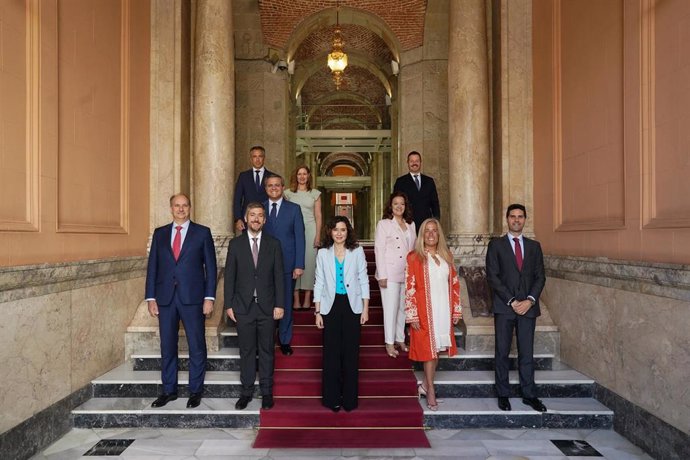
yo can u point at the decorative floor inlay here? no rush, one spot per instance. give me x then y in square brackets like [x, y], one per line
[112, 447]
[576, 448]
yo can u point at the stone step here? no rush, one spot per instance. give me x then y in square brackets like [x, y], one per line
[453, 413]
[564, 383]
[124, 381]
[137, 412]
[228, 359]
[457, 413]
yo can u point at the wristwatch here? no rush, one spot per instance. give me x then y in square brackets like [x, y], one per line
[317, 313]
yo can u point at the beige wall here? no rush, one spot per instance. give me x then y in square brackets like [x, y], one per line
[611, 142]
[611, 117]
[74, 143]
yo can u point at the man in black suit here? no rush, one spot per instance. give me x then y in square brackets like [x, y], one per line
[515, 271]
[251, 186]
[420, 190]
[181, 285]
[254, 300]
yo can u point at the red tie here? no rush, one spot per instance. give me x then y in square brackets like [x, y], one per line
[518, 253]
[177, 242]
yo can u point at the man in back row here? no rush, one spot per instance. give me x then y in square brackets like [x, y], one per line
[420, 190]
[250, 186]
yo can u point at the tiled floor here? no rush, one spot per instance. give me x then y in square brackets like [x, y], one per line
[216, 444]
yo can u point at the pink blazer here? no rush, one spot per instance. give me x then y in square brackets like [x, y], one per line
[391, 245]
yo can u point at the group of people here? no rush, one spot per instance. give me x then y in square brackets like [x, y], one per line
[279, 253]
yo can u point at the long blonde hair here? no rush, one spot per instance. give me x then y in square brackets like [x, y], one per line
[442, 247]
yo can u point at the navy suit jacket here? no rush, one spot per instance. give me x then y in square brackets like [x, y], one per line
[424, 202]
[507, 281]
[245, 192]
[193, 274]
[288, 228]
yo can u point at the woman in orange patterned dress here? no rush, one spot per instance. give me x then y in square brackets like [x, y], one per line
[432, 303]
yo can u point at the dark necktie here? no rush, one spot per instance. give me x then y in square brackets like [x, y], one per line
[518, 253]
[416, 181]
[274, 211]
[257, 181]
[255, 252]
[177, 242]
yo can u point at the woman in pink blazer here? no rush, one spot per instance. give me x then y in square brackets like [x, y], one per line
[395, 237]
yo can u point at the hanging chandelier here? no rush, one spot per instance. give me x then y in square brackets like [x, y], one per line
[337, 59]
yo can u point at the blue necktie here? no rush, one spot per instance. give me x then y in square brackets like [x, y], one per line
[416, 180]
[274, 211]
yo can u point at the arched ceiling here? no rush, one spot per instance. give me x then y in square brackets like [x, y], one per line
[374, 33]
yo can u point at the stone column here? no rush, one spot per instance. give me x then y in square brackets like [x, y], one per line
[468, 118]
[214, 116]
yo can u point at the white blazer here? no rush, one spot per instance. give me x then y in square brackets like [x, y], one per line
[355, 277]
[391, 246]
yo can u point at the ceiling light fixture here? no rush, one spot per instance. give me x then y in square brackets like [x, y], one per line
[337, 59]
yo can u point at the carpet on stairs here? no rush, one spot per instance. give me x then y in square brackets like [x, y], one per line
[388, 416]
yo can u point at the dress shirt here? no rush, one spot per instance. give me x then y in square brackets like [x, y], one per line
[419, 176]
[278, 203]
[183, 233]
[262, 171]
[510, 237]
[251, 240]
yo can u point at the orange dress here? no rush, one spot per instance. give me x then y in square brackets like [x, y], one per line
[418, 308]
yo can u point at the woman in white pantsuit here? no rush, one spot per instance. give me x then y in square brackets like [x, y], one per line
[394, 239]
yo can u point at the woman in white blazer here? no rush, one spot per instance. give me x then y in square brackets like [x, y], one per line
[394, 239]
[341, 298]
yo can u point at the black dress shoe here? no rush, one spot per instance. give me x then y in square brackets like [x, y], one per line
[286, 349]
[194, 400]
[267, 402]
[164, 399]
[242, 402]
[504, 403]
[335, 408]
[535, 404]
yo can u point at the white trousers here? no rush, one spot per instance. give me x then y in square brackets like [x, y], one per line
[393, 300]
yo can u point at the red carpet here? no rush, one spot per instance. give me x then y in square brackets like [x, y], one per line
[388, 415]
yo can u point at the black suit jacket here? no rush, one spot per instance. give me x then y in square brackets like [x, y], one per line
[424, 202]
[242, 279]
[245, 192]
[507, 282]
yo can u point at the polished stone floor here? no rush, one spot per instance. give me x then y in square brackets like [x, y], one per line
[216, 444]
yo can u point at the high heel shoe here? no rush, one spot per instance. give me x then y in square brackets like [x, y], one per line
[392, 352]
[421, 391]
[402, 346]
[433, 407]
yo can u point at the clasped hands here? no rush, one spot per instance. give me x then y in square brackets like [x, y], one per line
[521, 306]
[277, 313]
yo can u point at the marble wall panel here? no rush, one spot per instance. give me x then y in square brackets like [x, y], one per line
[634, 344]
[99, 317]
[35, 353]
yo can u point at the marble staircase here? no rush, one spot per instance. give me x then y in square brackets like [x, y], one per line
[122, 397]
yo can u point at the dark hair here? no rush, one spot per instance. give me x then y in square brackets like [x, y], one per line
[254, 205]
[293, 178]
[272, 176]
[181, 194]
[388, 210]
[258, 147]
[414, 152]
[350, 241]
[516, 206]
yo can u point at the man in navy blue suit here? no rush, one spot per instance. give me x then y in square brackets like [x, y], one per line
[285, 223]
[515, 272]
[250, 187]
[420, 190]
[181, 285]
